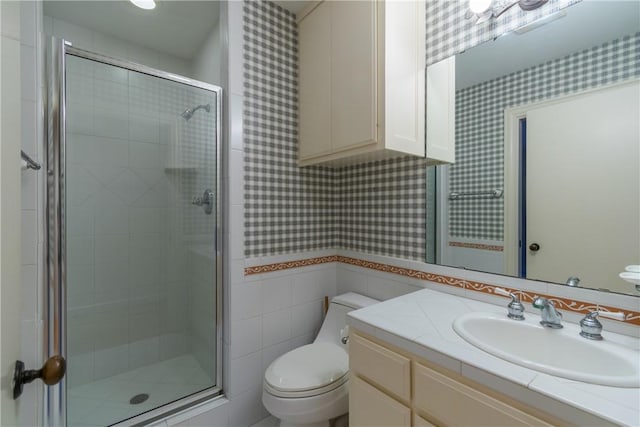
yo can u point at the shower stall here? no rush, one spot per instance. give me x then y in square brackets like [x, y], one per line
[133, 280]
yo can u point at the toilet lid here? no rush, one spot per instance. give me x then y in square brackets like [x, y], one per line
[308, 367]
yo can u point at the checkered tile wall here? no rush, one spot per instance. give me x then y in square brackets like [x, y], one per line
[381, 207]
[479, 124]
[287, 209]
[291, 209]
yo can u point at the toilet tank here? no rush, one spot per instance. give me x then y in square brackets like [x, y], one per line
[336, 318]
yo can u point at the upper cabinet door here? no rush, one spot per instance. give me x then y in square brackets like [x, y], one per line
[441, 104]
[361, 81]
[315, 82]
[353, 74]
[404, 64]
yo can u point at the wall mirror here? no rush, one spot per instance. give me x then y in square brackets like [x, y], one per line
[546, 182]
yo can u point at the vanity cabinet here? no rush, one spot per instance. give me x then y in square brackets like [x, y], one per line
[361, 81]
[370, 407]
[391, 387]
[441, 397]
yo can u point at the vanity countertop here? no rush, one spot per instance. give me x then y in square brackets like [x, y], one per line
[421, 323]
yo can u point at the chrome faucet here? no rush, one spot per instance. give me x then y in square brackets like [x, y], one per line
[551, 318]
[573, 281]
[515, 307]
[591, 328]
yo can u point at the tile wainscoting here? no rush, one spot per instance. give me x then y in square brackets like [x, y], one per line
[385, 277]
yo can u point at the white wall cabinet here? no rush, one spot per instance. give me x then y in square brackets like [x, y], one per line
[392, 387]
[361, 81]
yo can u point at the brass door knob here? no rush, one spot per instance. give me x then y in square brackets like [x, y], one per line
[51, 373]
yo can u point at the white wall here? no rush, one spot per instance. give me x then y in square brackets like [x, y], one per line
[21, 227]
[32, 188]
[88, 39]
[207, 64]
[10, 135]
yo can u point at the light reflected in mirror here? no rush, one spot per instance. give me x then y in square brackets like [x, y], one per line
[546, 183]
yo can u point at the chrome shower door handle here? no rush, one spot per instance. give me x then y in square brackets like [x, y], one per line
[206, 201]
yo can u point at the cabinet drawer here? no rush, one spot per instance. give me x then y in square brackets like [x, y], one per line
[369, 407]
[385, 368]
[450, 402]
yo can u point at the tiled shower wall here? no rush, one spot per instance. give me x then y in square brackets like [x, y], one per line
[290, 209]
[133, 166]
[138, 284]
[109, 225]
[481, 107]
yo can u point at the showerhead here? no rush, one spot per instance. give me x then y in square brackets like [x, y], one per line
[186, 114]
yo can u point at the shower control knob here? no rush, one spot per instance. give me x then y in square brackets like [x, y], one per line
[51, 373]
[206, 201]
[534, 247]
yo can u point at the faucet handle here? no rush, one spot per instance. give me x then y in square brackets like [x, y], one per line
[616, 315]
[591, 326]
[541, 302]
[515, 307]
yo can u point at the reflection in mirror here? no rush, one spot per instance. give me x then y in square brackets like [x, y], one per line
[546, 183]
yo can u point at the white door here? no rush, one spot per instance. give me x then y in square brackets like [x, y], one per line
[583, 187]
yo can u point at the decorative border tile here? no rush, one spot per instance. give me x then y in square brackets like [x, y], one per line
[270, 268]
[631, 317]
[496, 248]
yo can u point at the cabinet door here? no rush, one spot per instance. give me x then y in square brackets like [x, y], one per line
[314, 43]
[441, 99]
[453, 403]
[369, 407]
[404, 64]
[383, 367]
[353, 74]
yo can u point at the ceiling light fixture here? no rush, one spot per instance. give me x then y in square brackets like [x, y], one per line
[144, 4]
[479, 6]
[483, 10]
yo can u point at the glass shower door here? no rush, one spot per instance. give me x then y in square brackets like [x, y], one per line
[141, 212]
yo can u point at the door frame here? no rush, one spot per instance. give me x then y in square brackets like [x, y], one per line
[55, 284]
[512, 117]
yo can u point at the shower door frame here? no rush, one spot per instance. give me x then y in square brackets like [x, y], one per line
[55, 250]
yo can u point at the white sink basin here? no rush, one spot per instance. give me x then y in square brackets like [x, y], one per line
[560, 352]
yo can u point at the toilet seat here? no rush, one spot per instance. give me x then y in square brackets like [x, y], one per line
[307, 371]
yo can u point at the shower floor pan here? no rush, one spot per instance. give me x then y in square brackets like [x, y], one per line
[107, 401]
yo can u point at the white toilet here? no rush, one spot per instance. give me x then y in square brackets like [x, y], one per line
[308, 386]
